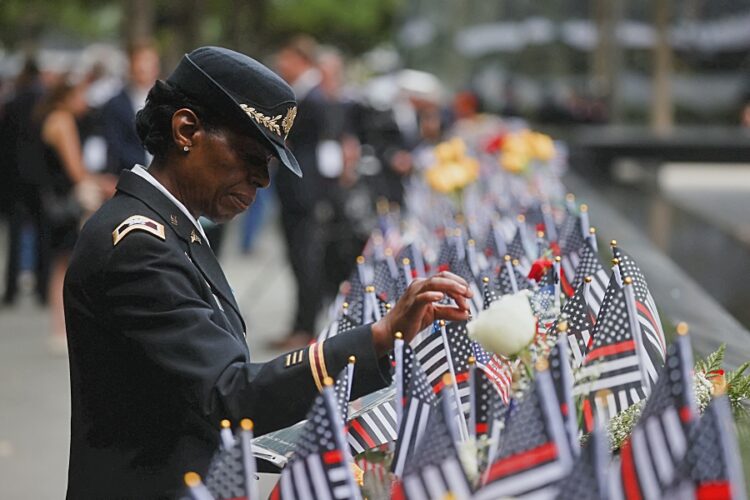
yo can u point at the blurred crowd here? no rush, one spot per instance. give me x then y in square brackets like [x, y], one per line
[68, 132]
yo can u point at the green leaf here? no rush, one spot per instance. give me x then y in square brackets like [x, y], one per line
[713, 361]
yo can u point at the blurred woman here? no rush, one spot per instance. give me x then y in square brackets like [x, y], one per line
[70, 193]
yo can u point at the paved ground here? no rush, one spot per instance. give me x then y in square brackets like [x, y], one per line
[34, 390]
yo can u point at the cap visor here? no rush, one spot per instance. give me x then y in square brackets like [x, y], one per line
[288, 159]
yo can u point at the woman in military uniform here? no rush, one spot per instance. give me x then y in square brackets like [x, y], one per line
[157, 346]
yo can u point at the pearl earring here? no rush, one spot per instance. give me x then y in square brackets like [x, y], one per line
[186, 149]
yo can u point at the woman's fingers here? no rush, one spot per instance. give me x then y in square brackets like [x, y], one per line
[426, 297]
[455, 289]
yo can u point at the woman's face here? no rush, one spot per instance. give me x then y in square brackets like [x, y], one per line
[224, 174]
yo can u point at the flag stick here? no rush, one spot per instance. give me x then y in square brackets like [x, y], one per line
[472, 398]
[248, 459]
[616, 271]
[398, 353]
[350, 377]
[635, 328]
[227, 438]
[585, 224]
[511, 274]
[450, 417]
[406, 263]
[462, 421]
[197, 489]
[361, 269]
[592, 239]
[549, 222]
[499, 240]
[558, 283]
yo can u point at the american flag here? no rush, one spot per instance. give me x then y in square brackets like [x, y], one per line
[571, 240]
[589, 265]
[498, 370]
[343, 389]
[712, 467]
[507, 274]
[419, 402]
[416, 258]
[615, 360]
[435, 470]
[373, 428]
[562, 380]
[542, 303]
[384, 282]
[517, 247]
[340, 325]
[438, 351]
[648, 316]
[488, 292]
[580, 326]
[231, 474]
[534, 452]
[487, 406]
[588, 480]
[321, 466]
[356, 297]
[495, 246]
[659, 441]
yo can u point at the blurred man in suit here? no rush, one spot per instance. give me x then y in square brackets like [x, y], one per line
[124, 149]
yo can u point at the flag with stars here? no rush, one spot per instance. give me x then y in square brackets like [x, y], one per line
[615, 361]
[487, 405]
[231, 474]
[571, 240]
[498, 370]
[489, 295]
[355, 297]
[562, 380]
[648, 315]
[435, 470]
[321, 466]
[534, 453]
[340, 325]
[437, 352]
[589, 265]
[384, 282]
[419, 402]
[712, 467]
[506, 275]
[658, 442]
[517, 248]
[580, 326]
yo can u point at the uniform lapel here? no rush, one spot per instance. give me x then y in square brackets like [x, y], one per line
[198, 250]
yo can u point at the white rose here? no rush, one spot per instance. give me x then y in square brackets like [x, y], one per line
[506, 327]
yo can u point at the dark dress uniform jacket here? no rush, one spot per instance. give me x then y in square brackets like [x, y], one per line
[158, 355]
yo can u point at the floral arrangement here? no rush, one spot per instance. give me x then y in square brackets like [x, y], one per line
[520, 148]
[454, 170]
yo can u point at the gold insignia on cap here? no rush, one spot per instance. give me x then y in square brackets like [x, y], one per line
[288, 120]
[137, 223]
[271, 124]
[194, 238]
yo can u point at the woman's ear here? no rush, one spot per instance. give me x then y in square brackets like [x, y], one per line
[186, 129]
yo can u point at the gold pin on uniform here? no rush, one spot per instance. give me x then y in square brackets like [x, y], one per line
[194, 238]
[173, 220]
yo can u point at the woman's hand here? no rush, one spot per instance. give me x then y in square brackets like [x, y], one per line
[418, 307]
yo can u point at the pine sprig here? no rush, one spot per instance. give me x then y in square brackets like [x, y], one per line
[713, 361]
[738, 390]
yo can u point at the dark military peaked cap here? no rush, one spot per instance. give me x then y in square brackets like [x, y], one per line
[242, 88]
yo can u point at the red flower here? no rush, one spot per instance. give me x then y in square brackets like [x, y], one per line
[539, 269]
[495, 144]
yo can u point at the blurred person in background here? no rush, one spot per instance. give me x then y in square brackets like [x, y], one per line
[23, 172]
[296, 63]
[124, 149]
[70, 193]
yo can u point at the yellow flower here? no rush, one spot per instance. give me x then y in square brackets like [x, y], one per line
[514, 162]
[542, 146]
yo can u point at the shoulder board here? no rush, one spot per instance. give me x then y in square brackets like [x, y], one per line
[137, 223]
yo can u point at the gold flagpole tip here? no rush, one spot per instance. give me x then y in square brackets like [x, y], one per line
[225, 424]
[602, 396]
[515, 262]
[369, 289]
[628, 280]
[521, 218]
[246, 424]
[592, 230]
[345, 305]
[562, 326]
[507, 257]
[471, 360]
[441, 322]
[485, 280]
[541, 365]
[457, 232]
[327, 381]
[588, 279]
[682, 328]
[558, 258]
[540, 234]
[192, 479]
[613, 243]
[388, 252]
[360, 260]
[471, 243]
[570, 197]
[398, 335]
[387, 306]
[584, 207]
[447, 380]
[352, 359]
[406, 261]
[615, 261]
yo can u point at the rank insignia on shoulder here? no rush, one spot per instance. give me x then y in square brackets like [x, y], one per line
[137, 223]
[294, 358]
